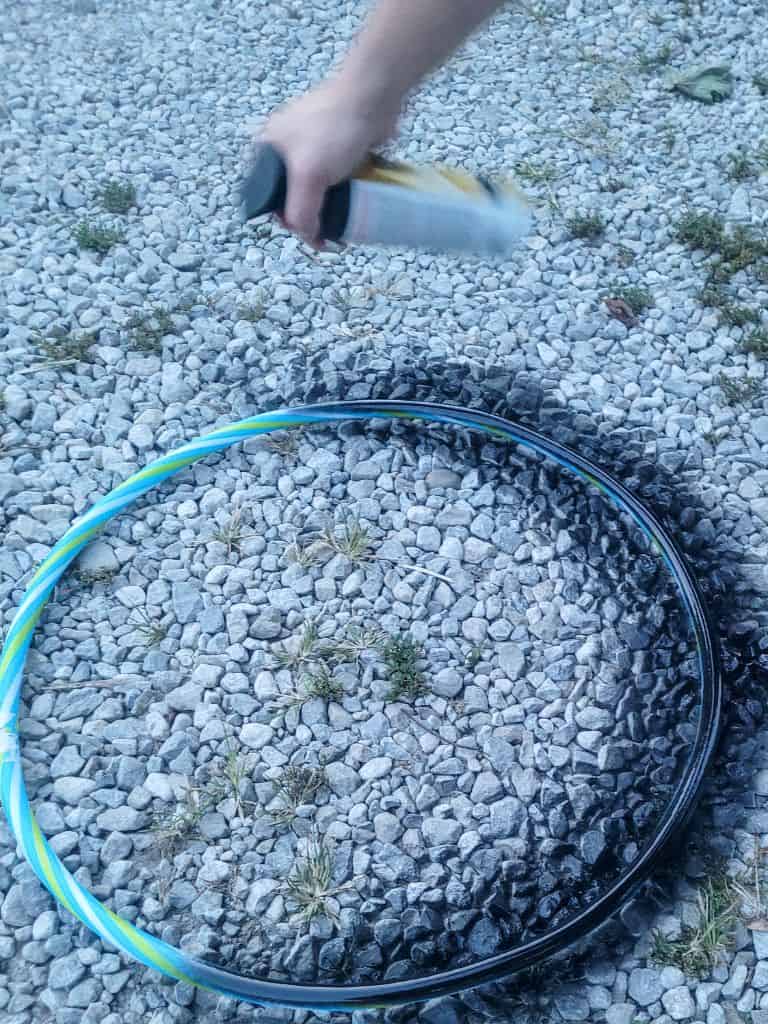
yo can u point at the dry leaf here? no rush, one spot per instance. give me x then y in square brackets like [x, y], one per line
[619, 309]
[760, 924]
[708, 83]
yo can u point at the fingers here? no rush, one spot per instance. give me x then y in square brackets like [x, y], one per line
[304, 201]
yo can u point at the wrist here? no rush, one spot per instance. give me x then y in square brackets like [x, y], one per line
[367, 91]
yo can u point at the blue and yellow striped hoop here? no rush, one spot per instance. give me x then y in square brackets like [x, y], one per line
[154, 952]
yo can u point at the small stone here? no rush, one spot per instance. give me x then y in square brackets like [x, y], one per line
[67, 762]
[187, 602]
[65, 972]
[376, 768]
[620, 1013]
[679, 1003]
[185, 698]
[592, 846]
[387, 827]
[255, 735]
[131, 597]
[511, 661]
[185, 258]
[121, 819]
[645, 986]
[440, 831]
[342, 779]
[733, 988]
[260, 895]
[484, 939]
[72, 198]
[507, 816]
[447, 683]
[572, 1006]
[486, 788]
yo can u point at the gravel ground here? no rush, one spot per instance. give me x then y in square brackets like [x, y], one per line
[557, 703]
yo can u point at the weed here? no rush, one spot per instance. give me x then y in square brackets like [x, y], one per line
[739, 389]
[148, 329]
[614, 185]
[354, 644]
[588, 226]
[760, 82]
[118, 196]
[252, 312]
[284, 442]
[654, 60]
[297, 786]
[90, 576]
[741, 167]
[301, 554]
[230, 784]
[97, 237]
[353, 542]
[474, 657]
[71, 348]
[322, 683]
[401, 657]
[170, 829]
[302, 652]
[700, 946]
[701, 231]
[536, 174]
[738, 316]
[624, 256]
[232, 534]
[309, 885]
[151, 632]
[638, 299]
[610, 95]
[757, 343]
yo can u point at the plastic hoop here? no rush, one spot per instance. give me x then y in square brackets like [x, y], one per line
[152, 951]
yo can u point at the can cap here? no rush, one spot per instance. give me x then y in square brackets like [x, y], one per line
[264, 186]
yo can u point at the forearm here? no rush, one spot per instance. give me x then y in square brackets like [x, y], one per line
[403, 40]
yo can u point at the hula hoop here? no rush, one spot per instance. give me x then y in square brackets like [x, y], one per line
[153, 952]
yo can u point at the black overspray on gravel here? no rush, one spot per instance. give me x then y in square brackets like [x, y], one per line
[714, 557]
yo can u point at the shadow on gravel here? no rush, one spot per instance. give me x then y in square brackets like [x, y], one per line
[715, 559]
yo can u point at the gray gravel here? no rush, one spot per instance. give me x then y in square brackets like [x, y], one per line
[456, 819]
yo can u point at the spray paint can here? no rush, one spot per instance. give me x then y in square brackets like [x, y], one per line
[389, 203]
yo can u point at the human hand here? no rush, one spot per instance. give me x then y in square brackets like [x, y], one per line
[323, 137]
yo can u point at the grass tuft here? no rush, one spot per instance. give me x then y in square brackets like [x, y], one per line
[638, 299]
[757, 343]
[357, 641]
[309, 885]
[589, 226]
[322, 683]
[70, 348]
[353, 541]
[701, 231]
[741, 167]
[150, 631]
[296, 786]
[401, 657]
[739, 389]
[97, 237]
[536, 174]
[700, 946]
[118, 196]
[302, 652]
[90, 576]
[147, 329]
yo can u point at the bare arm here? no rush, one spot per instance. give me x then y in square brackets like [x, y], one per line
[326, 134]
